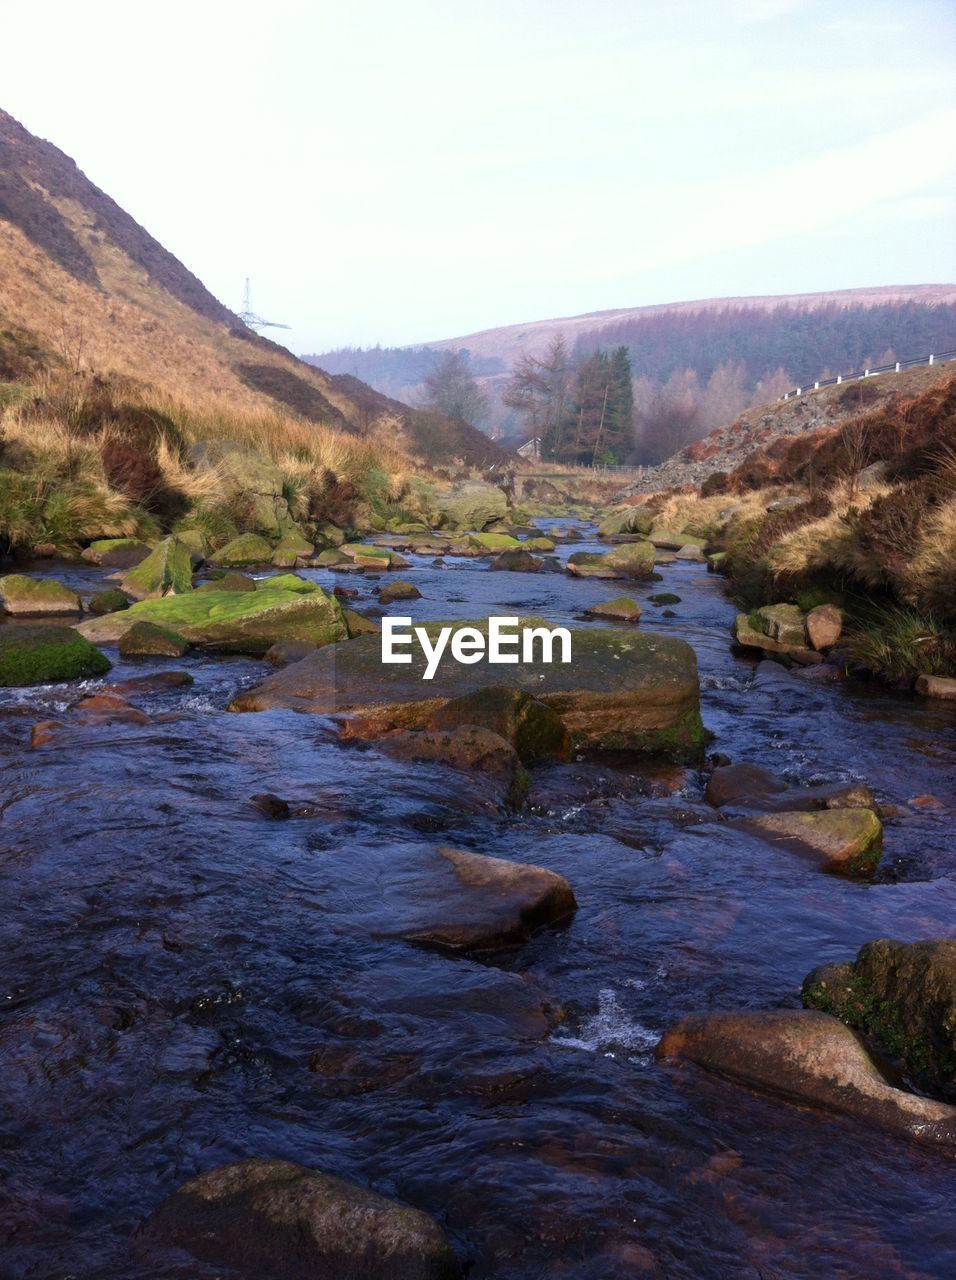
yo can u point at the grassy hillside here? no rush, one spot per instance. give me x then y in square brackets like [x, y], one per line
[97, 295]
[121, 376]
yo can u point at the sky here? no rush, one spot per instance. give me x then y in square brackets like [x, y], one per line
[410, 170]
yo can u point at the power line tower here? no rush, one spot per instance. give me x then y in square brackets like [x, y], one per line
[249, 317]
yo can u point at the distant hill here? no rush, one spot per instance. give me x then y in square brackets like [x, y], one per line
[82, 282]
[507, 342]
[696, 364]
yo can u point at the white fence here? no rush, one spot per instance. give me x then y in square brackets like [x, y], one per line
[936, 358]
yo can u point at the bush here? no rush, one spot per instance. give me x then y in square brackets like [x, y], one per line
[895, 642]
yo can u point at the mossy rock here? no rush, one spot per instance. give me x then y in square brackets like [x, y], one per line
[848, 841]
[167, 570]
[281, 608]
[293, 546]
[664, 597]
[904, 996]
[229, 581]
[621, 609]
[147, 640]
[494, 542]
[590, 564]
[716, 562]
[196, 541]
[672, 540]
[47, 654]
[329, 535]
[359, 625]
[111, 601]
[472, 505]
[782, 622]
[632, 559]
[116, 553]
[399, 591]
[622, 691]
[247, 549]
[330, 559]
[24, 595]
[364, 556]
[625, 520]
[538, 544]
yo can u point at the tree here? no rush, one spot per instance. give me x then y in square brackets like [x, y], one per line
[451, 389]
[538, 389]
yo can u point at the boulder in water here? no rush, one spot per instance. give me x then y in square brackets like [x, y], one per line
[282, 608]
[620, 609]
[46, 654]
[622, 691]
[809, 1058]
[489, 904]
[845, 840]
[167, 570]
[116, 553]
[37, 596]
[904, 996]
[632, 559]
[111, 601]
[399, 590]
[740, 783]
[147, 640]
[272, 1220]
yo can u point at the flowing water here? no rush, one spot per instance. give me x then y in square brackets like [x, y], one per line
[185, 981]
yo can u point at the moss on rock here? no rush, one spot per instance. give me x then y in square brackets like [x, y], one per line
[167, 570]
[24, 595]
[47, 654]
[904, 996]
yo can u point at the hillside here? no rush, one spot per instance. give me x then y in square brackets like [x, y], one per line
[766, 428]
[508, 342]
[83, 286]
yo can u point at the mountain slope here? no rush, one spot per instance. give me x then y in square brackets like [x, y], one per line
[507, 342]
[83, 285]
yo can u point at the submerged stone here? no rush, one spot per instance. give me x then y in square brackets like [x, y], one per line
[273, 1220]
[488, 904]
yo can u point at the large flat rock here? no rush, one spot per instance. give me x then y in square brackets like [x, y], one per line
[621, 690]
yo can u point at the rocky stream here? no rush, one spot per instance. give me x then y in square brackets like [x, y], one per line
[218, 942]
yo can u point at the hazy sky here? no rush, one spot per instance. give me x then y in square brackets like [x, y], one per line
[403, 171]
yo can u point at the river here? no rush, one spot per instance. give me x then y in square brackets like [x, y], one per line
[185, 981]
